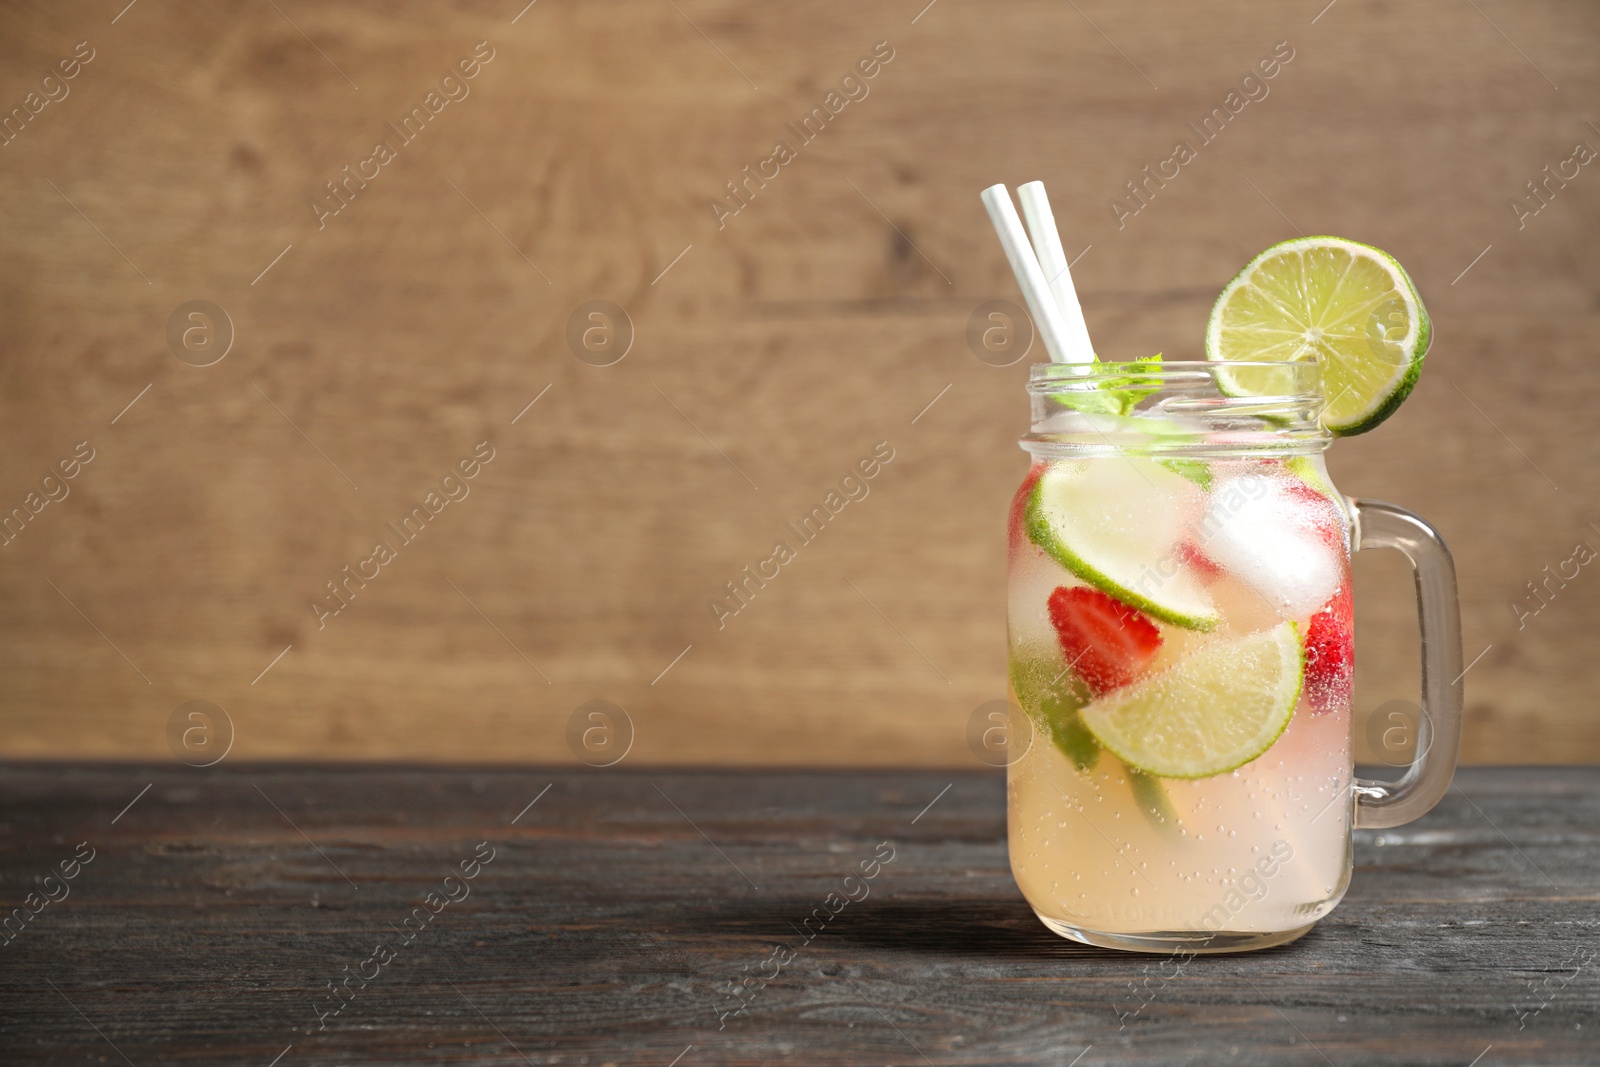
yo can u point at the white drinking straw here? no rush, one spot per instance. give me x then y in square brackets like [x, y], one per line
[1035, 288]
[1053, 262]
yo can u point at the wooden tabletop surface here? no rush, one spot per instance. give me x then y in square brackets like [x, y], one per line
[612, 917]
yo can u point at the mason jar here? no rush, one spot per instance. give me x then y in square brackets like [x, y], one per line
[1181, 647]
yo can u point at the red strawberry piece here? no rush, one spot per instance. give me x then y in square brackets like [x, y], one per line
[1204, 567]
[1019, 506]
[1317, 513]
[1107, 642]
[1330, 653]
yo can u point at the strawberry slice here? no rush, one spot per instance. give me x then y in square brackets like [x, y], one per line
[1108, 642]
[1205, 568]
[1019, 504]
[1331, 653]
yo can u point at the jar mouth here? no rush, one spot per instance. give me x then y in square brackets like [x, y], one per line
[1199, 407]
[1299, 379]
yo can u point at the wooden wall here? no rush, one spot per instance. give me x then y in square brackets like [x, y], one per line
[771, 350]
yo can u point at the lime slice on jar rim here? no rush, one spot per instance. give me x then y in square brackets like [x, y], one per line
[1349, 306]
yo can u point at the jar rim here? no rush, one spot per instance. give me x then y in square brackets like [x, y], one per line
[1309, 361]
[1199, 407]
[1289, 380]
[1176, 368]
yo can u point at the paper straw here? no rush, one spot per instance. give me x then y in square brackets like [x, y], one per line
[1053, 262]
[1035, 289]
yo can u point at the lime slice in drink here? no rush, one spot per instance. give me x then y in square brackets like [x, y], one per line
[1048, 691]
[1308, 471]
[1216, 709]
[1051, 695]
[1152, 798]
[1115, 523]
[1348, 305]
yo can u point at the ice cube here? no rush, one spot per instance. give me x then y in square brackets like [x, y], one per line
[1254, 529]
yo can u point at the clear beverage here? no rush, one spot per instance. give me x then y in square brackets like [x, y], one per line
[1180, 640]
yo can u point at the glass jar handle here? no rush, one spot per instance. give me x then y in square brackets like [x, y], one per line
[1380, 804]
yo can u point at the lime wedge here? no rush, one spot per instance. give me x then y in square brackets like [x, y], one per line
[1348, 305]
[1052, 695]
[1311, 471]
[1152, 798]
[1216, 709]
[1115, 523]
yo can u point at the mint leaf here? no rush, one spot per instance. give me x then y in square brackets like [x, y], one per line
[1115, 396]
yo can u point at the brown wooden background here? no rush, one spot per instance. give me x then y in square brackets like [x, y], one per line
[774, 353]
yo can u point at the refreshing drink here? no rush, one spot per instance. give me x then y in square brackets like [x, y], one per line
[1181, 641]
[1180, 606]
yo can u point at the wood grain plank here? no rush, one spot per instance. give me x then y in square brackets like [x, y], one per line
[613, 918]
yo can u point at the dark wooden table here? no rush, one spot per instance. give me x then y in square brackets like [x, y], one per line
[610, 922]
